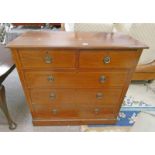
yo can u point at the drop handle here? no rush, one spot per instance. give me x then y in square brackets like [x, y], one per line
[50, 78]
[106, 59]
[102, 79]
[54, 111]
[52, 96]
[48, 59]
[96, 110]
[99, 95]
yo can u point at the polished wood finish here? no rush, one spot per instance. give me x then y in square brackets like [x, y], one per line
[76, 40]
[146, 67]
[71, 96]
[73, 111]
[6, 67]
[55, 58]
[145, 72]
[143, 76]
[83, 80]
[73, 121]
[96, 59]
[74, 79]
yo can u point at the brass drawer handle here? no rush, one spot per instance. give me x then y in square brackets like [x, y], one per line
[54, 111]
[102, 79]
[107, 60]
[48, 59]
[96, 110]
[52, 96]
[99, 95]
[50, 78]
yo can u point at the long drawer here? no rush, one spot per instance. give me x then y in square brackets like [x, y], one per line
[75, 96]
[85, 112]
[49, 79]
[108, 59]
[47, 58]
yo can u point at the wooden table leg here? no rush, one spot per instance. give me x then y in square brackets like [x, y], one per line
[3, 106]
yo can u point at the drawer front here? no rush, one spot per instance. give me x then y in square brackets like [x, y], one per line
[53, 96]
[75, 96]
[38, 79]
[99, 97]
[108, 59]
[34, 58]
[85, 112]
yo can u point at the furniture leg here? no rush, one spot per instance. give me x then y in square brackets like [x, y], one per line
[150, 81]
[3, 106]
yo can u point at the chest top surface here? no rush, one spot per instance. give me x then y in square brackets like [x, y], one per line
[76, 40]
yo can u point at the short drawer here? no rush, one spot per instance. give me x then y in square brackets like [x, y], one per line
[108, 59]
[99, 97]
[84, 112]
[50, 79]
[75, 96]
[37, 58]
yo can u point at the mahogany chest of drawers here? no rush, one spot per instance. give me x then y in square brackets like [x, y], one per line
[75, 78]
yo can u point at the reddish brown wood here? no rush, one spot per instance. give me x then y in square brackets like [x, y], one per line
[76, 75]
[144, 76]
[83, 79]
[48, 122]
[149, 67]
[76, 40]
[145, 72]
[36, 58]
[71, 96]
[118, 59]
[73, 111]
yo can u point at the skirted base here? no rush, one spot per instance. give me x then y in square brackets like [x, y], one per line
[41, 122]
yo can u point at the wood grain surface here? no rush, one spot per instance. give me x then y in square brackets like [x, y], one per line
[75, 78]
[76, 40]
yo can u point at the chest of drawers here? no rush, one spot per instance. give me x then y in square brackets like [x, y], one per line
[75, 78]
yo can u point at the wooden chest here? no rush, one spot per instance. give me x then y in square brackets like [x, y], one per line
[75, 78]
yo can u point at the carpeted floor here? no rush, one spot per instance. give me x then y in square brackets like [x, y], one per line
[21, 115]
